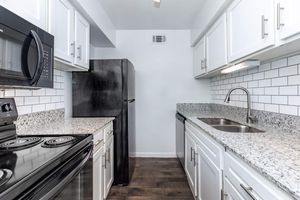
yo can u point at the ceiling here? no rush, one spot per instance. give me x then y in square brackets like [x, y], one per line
[141, 14]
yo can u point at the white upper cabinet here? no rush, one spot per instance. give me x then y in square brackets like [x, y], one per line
[34, 11]
[199, 58]
[288, 15]
[250, 27]
[82, 41]
[72, 35]
[216, 45]
[62, 27]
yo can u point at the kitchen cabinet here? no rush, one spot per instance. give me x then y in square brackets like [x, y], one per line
[34, 11]
[72, 35]
[108, 165]
[191, 162]
[250, 25]
[210, 177]
[98, 173]
[199, 58]
[216, 45]
[243, 182]
[288, 15]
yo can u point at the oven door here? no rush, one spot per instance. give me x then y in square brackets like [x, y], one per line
[21, 57]
[72, 180]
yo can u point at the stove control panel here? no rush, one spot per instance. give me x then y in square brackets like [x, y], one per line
[8, 111]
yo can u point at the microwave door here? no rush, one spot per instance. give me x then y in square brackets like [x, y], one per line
[33, 58]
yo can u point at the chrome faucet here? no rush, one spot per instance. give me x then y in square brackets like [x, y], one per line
[250, 118]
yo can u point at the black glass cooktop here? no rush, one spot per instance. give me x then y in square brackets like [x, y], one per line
[30, 162]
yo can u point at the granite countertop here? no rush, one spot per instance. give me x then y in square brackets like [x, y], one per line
[69, 126]
[274, 153]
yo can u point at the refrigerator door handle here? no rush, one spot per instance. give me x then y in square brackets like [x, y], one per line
[130, 100]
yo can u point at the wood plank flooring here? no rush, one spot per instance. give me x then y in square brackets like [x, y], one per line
[155, 179]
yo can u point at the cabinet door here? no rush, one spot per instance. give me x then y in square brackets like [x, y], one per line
[210, 178]
[82, 41]
[191, 162]
[288, 16]
[230, 193]
[62, 27]
[250, 27]
[216, 45]
[199, 58]
[34, 11]
[98, 187]
[108, 166]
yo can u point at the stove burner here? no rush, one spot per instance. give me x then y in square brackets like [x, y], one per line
[60, 141]
[20, 143]
[5, 175]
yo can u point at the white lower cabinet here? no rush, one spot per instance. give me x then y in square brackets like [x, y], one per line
[191, 162]
[98, 174]
[210, 177]
[215, 174]
[108, 165]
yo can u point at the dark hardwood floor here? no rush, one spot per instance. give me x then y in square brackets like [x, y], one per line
[155, 179]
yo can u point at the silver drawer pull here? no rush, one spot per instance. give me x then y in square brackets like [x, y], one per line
[248, 190]
[279, 9]
[98, 142]
[263, 27]
[192, 153]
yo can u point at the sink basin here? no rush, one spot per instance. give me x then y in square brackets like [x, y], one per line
[229, 126]
[238, 129]
[218, 121]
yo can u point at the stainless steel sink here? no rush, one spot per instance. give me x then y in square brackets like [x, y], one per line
[218, 121]
[229, 126]
[238, 129]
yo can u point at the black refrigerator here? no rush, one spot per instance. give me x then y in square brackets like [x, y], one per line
[108, 90]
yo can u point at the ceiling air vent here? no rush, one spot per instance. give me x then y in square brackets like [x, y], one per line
[159, 38]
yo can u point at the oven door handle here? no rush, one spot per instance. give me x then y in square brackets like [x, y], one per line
[40, 62]
[54, 191]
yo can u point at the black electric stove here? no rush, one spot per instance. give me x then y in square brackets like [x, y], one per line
[32, 167]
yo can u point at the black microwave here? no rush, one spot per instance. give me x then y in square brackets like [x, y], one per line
[26, 53]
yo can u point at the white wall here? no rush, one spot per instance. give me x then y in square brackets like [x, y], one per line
[163, 78]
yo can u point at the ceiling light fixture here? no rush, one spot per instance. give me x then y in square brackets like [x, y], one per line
[156, 3]
[243, 65]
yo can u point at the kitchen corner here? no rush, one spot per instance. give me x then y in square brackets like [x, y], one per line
[273, 153]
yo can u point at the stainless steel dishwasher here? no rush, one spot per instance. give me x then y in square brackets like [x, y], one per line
[180, 135]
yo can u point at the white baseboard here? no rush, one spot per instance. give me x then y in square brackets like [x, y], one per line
[153, 155]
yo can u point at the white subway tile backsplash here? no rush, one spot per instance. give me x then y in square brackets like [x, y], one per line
[272, 73]
[279, 99]
[294, 60]
[294, 100]
[288, 90]
[272, 91]
[31, 100]
[274, 86]
[279, 63]
[37, 100]
[279, 81]
[294, 80]
[272, 108]
[288, 71]
[289, 110]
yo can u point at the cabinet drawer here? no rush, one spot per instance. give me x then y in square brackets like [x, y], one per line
[212, 149]
[108, 131]
[98, 139]
[248, 182]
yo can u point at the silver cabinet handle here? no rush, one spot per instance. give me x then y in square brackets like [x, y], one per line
[98, 142]
[79, 52]
[105, 160]
[263, 27]
[248, 190]
[192, 154]
[73, 49]
[202, 64]
[108, 160]
[279, 9]
[195, 155]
